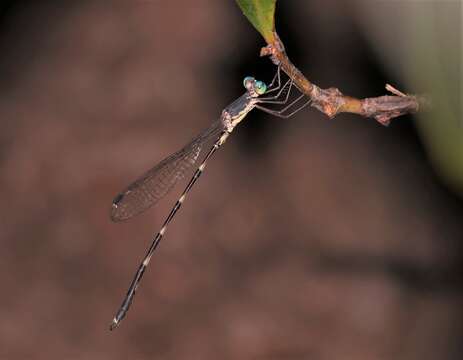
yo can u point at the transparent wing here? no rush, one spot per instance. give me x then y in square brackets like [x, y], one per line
[158, 181]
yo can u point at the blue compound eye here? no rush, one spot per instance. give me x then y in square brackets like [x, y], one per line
[247, 81]
[260, 87]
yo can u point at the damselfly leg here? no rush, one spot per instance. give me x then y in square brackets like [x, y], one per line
[274, 100]
[280, 113]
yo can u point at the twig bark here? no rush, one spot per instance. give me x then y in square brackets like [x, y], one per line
[331, 101]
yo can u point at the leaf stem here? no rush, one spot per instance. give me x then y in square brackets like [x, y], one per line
[332, 101]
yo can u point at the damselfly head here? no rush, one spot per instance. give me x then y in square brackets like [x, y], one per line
[260, 87]
[255, 87]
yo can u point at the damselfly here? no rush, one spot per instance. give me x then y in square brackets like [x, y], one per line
[157, 182]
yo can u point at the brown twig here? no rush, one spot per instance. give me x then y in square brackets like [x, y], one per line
[331, 101]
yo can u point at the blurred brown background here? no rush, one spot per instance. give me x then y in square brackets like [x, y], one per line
[305, 239]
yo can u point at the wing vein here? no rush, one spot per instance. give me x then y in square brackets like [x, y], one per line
[153, 185]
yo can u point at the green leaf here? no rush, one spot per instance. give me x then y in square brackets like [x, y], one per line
[261, 14]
